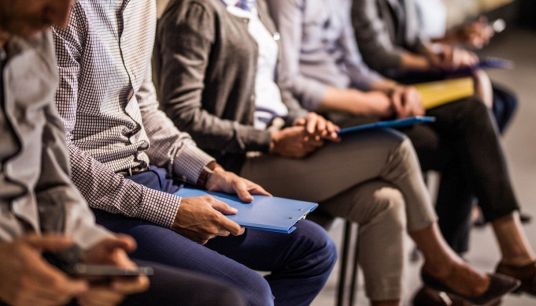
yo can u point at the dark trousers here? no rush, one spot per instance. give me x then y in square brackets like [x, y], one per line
[463, 144]
[299, 263]
[504, 106]
[175, 287]
[456, 224]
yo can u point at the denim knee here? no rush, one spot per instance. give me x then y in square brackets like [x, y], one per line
[229, 296]
[257, 292]
[319, 244]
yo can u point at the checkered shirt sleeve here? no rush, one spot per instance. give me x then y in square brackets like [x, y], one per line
[106, 99]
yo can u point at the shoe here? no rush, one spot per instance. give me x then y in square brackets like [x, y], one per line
[499, 286]
[526, 274]
[430, 297]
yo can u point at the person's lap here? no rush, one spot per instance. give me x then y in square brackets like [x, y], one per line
[231, 259]
[234, 259]
[332, 169]
[177, 287]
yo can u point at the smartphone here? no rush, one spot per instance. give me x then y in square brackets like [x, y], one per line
[90, 271]
[69, 262]
[104, 274]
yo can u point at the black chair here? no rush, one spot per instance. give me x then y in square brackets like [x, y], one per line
[325, 220]
[350, 296]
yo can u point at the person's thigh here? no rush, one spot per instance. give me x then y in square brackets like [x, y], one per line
[177, 287]
[299, 263]
[164, 246]
[270, 251]
[328, 171]
[434, 153]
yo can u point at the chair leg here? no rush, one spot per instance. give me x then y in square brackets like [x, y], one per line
[341, 283]
[355, 266]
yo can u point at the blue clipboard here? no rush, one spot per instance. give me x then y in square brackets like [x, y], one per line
[386, 124]
[264, 213]
[485, 63]
[494, 63]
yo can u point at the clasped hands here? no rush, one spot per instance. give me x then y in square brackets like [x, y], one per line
[304, 137]
[203, 218]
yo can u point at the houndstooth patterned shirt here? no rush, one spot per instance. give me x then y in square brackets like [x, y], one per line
[110, 110]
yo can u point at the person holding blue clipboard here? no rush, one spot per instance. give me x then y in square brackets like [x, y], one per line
[218, 72]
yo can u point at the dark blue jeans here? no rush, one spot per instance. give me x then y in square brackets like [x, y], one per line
[173, 287]
[299, 263]
[176, 287]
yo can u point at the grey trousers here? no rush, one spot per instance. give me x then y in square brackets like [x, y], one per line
[371, 178]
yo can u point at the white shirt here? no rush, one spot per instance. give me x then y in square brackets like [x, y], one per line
[268, 101]
[433, 15]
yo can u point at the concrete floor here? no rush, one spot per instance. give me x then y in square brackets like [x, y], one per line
[520, 146]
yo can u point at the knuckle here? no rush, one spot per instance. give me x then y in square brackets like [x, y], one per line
[213, 230]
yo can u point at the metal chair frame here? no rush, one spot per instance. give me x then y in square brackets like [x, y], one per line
[342, 295]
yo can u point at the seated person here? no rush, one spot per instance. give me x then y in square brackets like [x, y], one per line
[40, 209]
[392, 39]
[219, 80]
[473, 34]
[390, 32]
[325, 71]
[126, 156]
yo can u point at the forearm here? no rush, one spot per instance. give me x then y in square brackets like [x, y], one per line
[213, 133]
[384, 85]
[349, 101]
[105, 190]
[412, 61]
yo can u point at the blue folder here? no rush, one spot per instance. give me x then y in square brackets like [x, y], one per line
[264, 213]
[386, 124]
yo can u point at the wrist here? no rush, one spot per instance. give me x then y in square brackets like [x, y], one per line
[207, 172]
[275, 137]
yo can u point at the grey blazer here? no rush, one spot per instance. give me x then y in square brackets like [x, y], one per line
[36, 193]
[384, 29]
[206, 64]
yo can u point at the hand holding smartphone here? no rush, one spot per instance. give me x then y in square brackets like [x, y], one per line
[68, 261]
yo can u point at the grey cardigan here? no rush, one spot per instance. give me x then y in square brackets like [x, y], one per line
[206, 64]
[383, 33]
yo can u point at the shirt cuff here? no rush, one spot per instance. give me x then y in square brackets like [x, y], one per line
[159, 207]
[189, 163]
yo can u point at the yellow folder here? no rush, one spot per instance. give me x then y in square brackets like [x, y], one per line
[437, 93]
